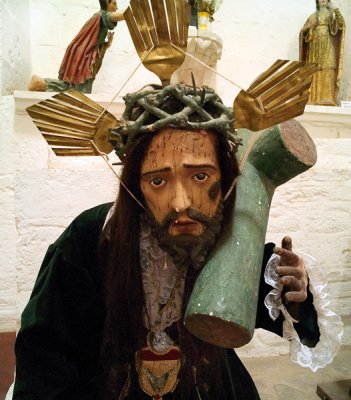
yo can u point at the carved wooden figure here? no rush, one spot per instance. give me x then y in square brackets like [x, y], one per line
[322, 42]
[219, 311]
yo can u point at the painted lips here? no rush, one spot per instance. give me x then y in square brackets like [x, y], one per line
[184, 226]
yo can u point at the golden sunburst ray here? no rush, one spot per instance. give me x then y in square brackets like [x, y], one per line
[154, 26]
[73, 125]
[277, 95]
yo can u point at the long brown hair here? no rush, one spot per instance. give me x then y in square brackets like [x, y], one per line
[124, 332]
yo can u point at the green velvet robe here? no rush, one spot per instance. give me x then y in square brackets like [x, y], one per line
[57, 347]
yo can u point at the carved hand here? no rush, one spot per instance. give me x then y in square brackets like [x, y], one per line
[293, 276]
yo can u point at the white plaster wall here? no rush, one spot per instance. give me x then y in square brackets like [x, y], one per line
[8, 231]
[15, 60]
[40, 193]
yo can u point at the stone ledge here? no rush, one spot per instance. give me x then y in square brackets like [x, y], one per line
[327, 122]
[320, 121]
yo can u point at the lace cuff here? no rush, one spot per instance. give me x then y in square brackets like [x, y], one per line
[329, 323]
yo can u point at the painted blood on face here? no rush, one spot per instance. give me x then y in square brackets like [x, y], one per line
[214, 191]
[180, 171]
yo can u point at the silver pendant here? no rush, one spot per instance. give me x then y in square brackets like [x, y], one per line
[160, 342]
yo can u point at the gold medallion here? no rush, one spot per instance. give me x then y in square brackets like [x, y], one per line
[158, 372]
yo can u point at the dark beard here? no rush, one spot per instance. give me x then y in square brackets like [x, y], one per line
[187, 250]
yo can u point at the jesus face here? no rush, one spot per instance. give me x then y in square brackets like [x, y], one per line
[181, 172]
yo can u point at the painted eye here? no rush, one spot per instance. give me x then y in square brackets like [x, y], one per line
[157, 182]
[201, 176]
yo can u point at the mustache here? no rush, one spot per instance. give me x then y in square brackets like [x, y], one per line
[187, 250]
[195, 215]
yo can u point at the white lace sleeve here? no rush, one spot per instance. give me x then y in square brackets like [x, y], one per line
[329, 323]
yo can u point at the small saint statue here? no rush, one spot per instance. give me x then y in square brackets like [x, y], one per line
[84, 55]
[321, 42]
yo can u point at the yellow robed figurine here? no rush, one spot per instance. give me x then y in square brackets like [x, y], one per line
[321, 42]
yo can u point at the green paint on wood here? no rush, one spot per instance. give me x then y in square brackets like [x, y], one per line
[222, 308]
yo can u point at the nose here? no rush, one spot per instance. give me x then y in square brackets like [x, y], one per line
[181, 200]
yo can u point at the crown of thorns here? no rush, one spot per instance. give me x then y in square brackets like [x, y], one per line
[178, 106]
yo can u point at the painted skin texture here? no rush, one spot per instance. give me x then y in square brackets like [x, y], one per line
[180, 171]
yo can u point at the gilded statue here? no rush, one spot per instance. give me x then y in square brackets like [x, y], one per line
[321, 42]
